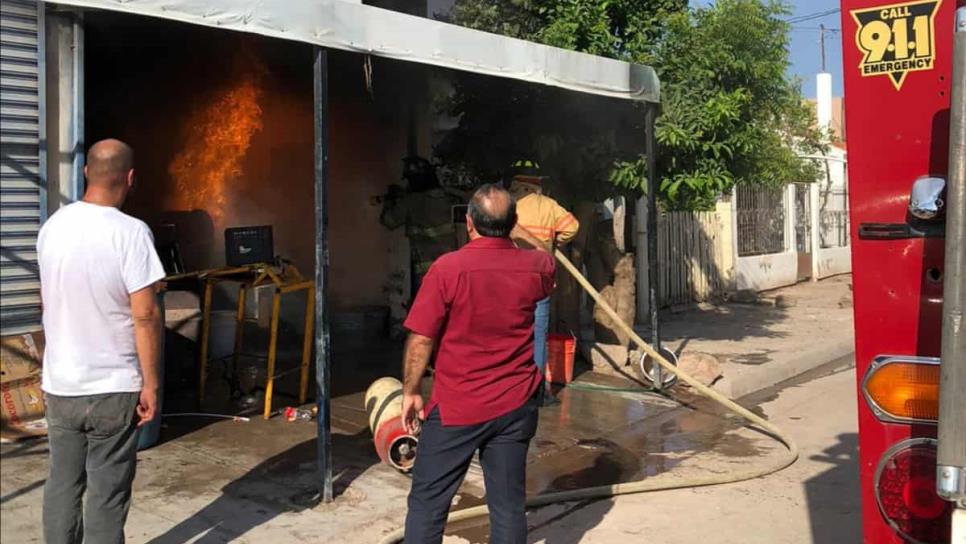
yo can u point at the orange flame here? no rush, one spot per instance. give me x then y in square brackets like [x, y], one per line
[218, 137]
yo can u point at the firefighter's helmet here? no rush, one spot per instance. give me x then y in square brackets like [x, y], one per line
[527, 168]
[420, 173]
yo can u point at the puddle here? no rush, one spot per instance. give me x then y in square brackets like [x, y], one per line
[613, 464]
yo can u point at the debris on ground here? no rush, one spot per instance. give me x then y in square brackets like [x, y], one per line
[745, 296]
[704, 367]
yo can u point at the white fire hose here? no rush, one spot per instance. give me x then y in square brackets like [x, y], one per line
[667, 480]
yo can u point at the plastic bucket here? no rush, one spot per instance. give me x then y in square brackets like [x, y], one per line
[561, 349]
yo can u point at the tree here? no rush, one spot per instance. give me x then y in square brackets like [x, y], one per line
[729, 113]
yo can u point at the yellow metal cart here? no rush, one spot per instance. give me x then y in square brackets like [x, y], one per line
[286, 280]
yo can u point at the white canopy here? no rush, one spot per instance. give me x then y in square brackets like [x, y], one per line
[351, 26]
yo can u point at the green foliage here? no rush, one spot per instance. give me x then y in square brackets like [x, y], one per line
[729, 113]
[612, 28]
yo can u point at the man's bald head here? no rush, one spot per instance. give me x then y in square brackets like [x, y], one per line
[109, 163]
[493, 211]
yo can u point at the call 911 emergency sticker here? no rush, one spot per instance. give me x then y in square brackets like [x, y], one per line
[897, 39]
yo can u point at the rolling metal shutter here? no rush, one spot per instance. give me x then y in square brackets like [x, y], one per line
[22, 191]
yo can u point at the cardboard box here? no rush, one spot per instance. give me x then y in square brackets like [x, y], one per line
[21, 399]
[22, 409]
[21, 356]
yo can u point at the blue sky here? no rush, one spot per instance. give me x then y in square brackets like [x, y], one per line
[805, 53]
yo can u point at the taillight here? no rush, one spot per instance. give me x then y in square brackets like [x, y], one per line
[905, 488]
[903, 389]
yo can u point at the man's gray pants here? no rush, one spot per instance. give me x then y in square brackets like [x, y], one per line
[93, 447]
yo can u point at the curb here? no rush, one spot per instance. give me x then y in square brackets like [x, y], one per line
[740, 380]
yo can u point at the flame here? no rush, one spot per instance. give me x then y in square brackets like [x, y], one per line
[218, 137]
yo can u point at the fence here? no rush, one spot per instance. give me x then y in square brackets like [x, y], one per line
[834, 217]
[835, 228]
[690, 257]
[760, 213]
[779, 236]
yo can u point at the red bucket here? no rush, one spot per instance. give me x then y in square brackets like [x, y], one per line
[561, 349]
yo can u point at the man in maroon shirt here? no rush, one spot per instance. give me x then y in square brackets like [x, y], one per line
[475, 306]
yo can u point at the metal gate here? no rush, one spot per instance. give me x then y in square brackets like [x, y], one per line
[22, 187]
[803, 230]
[760, 220]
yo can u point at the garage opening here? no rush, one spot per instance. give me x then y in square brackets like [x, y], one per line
[222, 125]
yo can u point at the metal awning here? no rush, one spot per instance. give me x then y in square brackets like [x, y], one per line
[349, 26]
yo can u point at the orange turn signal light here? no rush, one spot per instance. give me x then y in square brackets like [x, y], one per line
[903, 389]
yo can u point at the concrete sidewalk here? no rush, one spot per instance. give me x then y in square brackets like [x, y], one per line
[758, 343]
[785, 333]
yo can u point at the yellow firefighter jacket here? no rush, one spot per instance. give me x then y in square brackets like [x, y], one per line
[541, 215]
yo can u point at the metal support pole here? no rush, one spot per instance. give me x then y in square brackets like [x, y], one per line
[322, 371]
[77, 110]
[650, 150]
[643, 313]
[951, 459]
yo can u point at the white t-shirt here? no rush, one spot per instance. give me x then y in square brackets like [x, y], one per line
[91, 258]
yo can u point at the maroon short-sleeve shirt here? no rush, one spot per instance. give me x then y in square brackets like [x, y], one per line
[477, 303]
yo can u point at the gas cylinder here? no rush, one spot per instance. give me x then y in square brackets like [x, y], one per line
[394, 445]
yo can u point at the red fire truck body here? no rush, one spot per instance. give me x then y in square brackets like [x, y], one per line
[897, 72]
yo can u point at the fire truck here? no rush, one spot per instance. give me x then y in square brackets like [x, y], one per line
[905, 85]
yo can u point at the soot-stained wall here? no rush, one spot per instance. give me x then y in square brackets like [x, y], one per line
[222, 127]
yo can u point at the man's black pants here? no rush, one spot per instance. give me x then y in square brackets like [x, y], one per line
[444, 455]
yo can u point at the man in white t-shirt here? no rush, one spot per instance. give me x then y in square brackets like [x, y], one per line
[99, 277]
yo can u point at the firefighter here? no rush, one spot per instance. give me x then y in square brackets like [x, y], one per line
[544, 222]
[426, 210]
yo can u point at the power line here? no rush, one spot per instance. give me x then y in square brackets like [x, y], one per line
[812, 16]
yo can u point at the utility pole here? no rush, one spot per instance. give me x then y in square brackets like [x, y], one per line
[821, 44]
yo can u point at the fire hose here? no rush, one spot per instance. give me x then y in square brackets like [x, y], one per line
[667, 480]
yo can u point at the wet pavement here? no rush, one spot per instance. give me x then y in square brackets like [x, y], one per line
[662, 437]
[599, 437]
